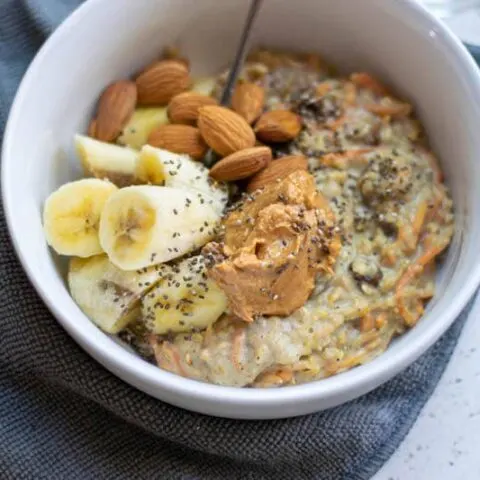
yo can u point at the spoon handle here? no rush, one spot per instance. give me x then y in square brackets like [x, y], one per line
[240, 55]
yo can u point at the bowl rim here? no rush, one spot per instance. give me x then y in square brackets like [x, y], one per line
[127, 365]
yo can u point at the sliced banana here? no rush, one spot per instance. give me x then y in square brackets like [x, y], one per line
[184, 299]
[106, 160]
[141, 124]
[145, 225]
[71, 216]
[204, 85]
[161, 167]
[110, 297]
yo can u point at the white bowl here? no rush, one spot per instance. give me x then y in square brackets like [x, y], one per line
[100, 42]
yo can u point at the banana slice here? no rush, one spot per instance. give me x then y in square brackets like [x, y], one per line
[106, 160]
[204, 85]
[161, 167]
[110, 297]
[141, 124]
[145, 225]
[184, 299]
[71, 216]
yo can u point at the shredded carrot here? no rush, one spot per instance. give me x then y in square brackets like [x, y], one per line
[417, 266]
[381, 320]
[285, 373]
[350, 94]
[268, 379]
[342, 160]
[337, 123]
[168, 358]
[434, 208]
[238, 343]
[367, 323]
[388, 257]
[396, 110]
[275, 377]
[415, 228]
[323, 88]
[411, 318]
[365, 80]
[419, 219]
[350, 91]
[410, 273]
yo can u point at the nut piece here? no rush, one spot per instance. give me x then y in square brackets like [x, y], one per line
[248, 100]
[179, 139]
[278, 126]
[161, 81]
[224, 131]
[241, 164]
[115, 107]
[278, 169]
[183, 108]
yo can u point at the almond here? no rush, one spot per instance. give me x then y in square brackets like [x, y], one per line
[248, 100]
[161, 81]
[183, 108]
[367, 81]
[179, 139]
[92, 128]
[241, 164]
[278, 126]
[277, 169]
[224, 131]
[115, 107]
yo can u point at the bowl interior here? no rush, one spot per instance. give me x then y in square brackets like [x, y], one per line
[396, 40]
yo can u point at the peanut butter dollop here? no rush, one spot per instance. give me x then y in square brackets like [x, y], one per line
[276, 242]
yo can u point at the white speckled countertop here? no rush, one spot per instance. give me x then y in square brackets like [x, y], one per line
[444, 443]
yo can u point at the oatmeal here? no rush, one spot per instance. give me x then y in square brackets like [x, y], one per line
[370, 160]
[298, 250]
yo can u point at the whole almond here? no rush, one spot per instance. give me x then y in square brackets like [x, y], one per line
[241, 164]
[224, 131]
[248, 100]
[161, 81]
[179, 139]
[278, 126]
[277, 169]
[183, 108]
[115, 107]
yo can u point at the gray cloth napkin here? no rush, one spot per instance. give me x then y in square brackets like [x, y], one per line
[63, 416]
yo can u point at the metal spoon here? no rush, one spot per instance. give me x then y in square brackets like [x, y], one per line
[240, 55]
[211, 157]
